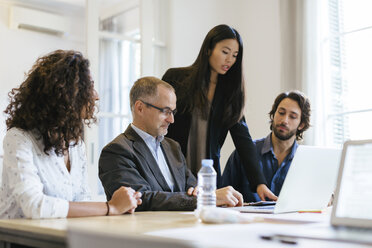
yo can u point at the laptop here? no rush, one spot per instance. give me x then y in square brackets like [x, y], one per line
[309, 184]
[351, 219]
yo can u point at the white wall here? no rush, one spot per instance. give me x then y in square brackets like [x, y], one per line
[258, 24]
[19, 49]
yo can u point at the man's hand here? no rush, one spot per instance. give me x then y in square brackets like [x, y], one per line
[264, 192]
[228, 196]
[193, 191]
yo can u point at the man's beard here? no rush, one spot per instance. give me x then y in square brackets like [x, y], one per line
[284, 136]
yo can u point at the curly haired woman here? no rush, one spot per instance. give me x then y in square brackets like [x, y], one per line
[45, 169]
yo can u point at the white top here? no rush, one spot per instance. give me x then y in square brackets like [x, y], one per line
[36, 185]
[154, 144]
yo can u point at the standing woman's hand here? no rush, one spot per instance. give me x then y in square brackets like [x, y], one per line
[124, 200]
[228, 196]
[264, 192]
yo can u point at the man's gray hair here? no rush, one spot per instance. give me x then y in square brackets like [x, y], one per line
[146, 87]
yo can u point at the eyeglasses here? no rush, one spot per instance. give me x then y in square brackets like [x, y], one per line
[167, 111]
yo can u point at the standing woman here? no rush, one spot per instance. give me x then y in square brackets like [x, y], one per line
[45, 169]
[210, 101]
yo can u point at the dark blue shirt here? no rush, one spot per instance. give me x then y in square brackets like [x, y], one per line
[235, 175]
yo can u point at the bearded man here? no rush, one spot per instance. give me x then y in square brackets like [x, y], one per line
[289, 118]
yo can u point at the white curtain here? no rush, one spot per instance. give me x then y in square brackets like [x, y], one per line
[301, 66]
[110, 87]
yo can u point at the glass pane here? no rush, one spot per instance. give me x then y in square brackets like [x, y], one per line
[119, 68]
[337, 129]
[349, 71]
[110, 84]
[356, 14]
[355, 126]
[358, 72]
[131, 63]
[360, 125]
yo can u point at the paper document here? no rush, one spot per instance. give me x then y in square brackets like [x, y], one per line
[227, 235]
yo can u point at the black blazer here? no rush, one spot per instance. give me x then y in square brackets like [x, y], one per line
[127, 161]
[216, 133]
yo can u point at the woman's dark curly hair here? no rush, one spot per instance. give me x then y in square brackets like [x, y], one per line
[54, 100]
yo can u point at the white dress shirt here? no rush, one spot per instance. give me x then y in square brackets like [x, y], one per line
[37, 185]
[154, 145]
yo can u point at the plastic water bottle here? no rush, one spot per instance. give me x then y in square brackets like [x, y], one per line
[207, 185]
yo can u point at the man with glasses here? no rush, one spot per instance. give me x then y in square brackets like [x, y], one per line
[143, 159]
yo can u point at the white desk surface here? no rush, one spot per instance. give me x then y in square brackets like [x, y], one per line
[180, 225]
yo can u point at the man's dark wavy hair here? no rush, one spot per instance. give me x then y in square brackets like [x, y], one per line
[55, 99]
[304, 104]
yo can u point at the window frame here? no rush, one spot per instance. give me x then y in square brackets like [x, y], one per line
[154, 60]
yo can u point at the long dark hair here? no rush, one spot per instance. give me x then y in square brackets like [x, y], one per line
[233, 81]
[54, 100]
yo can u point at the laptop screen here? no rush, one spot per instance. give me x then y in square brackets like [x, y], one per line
[354, 187]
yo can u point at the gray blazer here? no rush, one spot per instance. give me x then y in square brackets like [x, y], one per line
[127, 161]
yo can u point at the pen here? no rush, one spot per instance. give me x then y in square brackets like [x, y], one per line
[281, 239]
[310, 211]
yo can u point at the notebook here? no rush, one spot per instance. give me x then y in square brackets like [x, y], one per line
[351, 219]
[309, 183]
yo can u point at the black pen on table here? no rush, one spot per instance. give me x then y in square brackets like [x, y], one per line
[281, 239]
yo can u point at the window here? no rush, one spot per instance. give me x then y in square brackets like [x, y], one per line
[347, 72]
[127, 43]
[119, 66]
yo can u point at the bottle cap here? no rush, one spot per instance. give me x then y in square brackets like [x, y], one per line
[207, 162]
